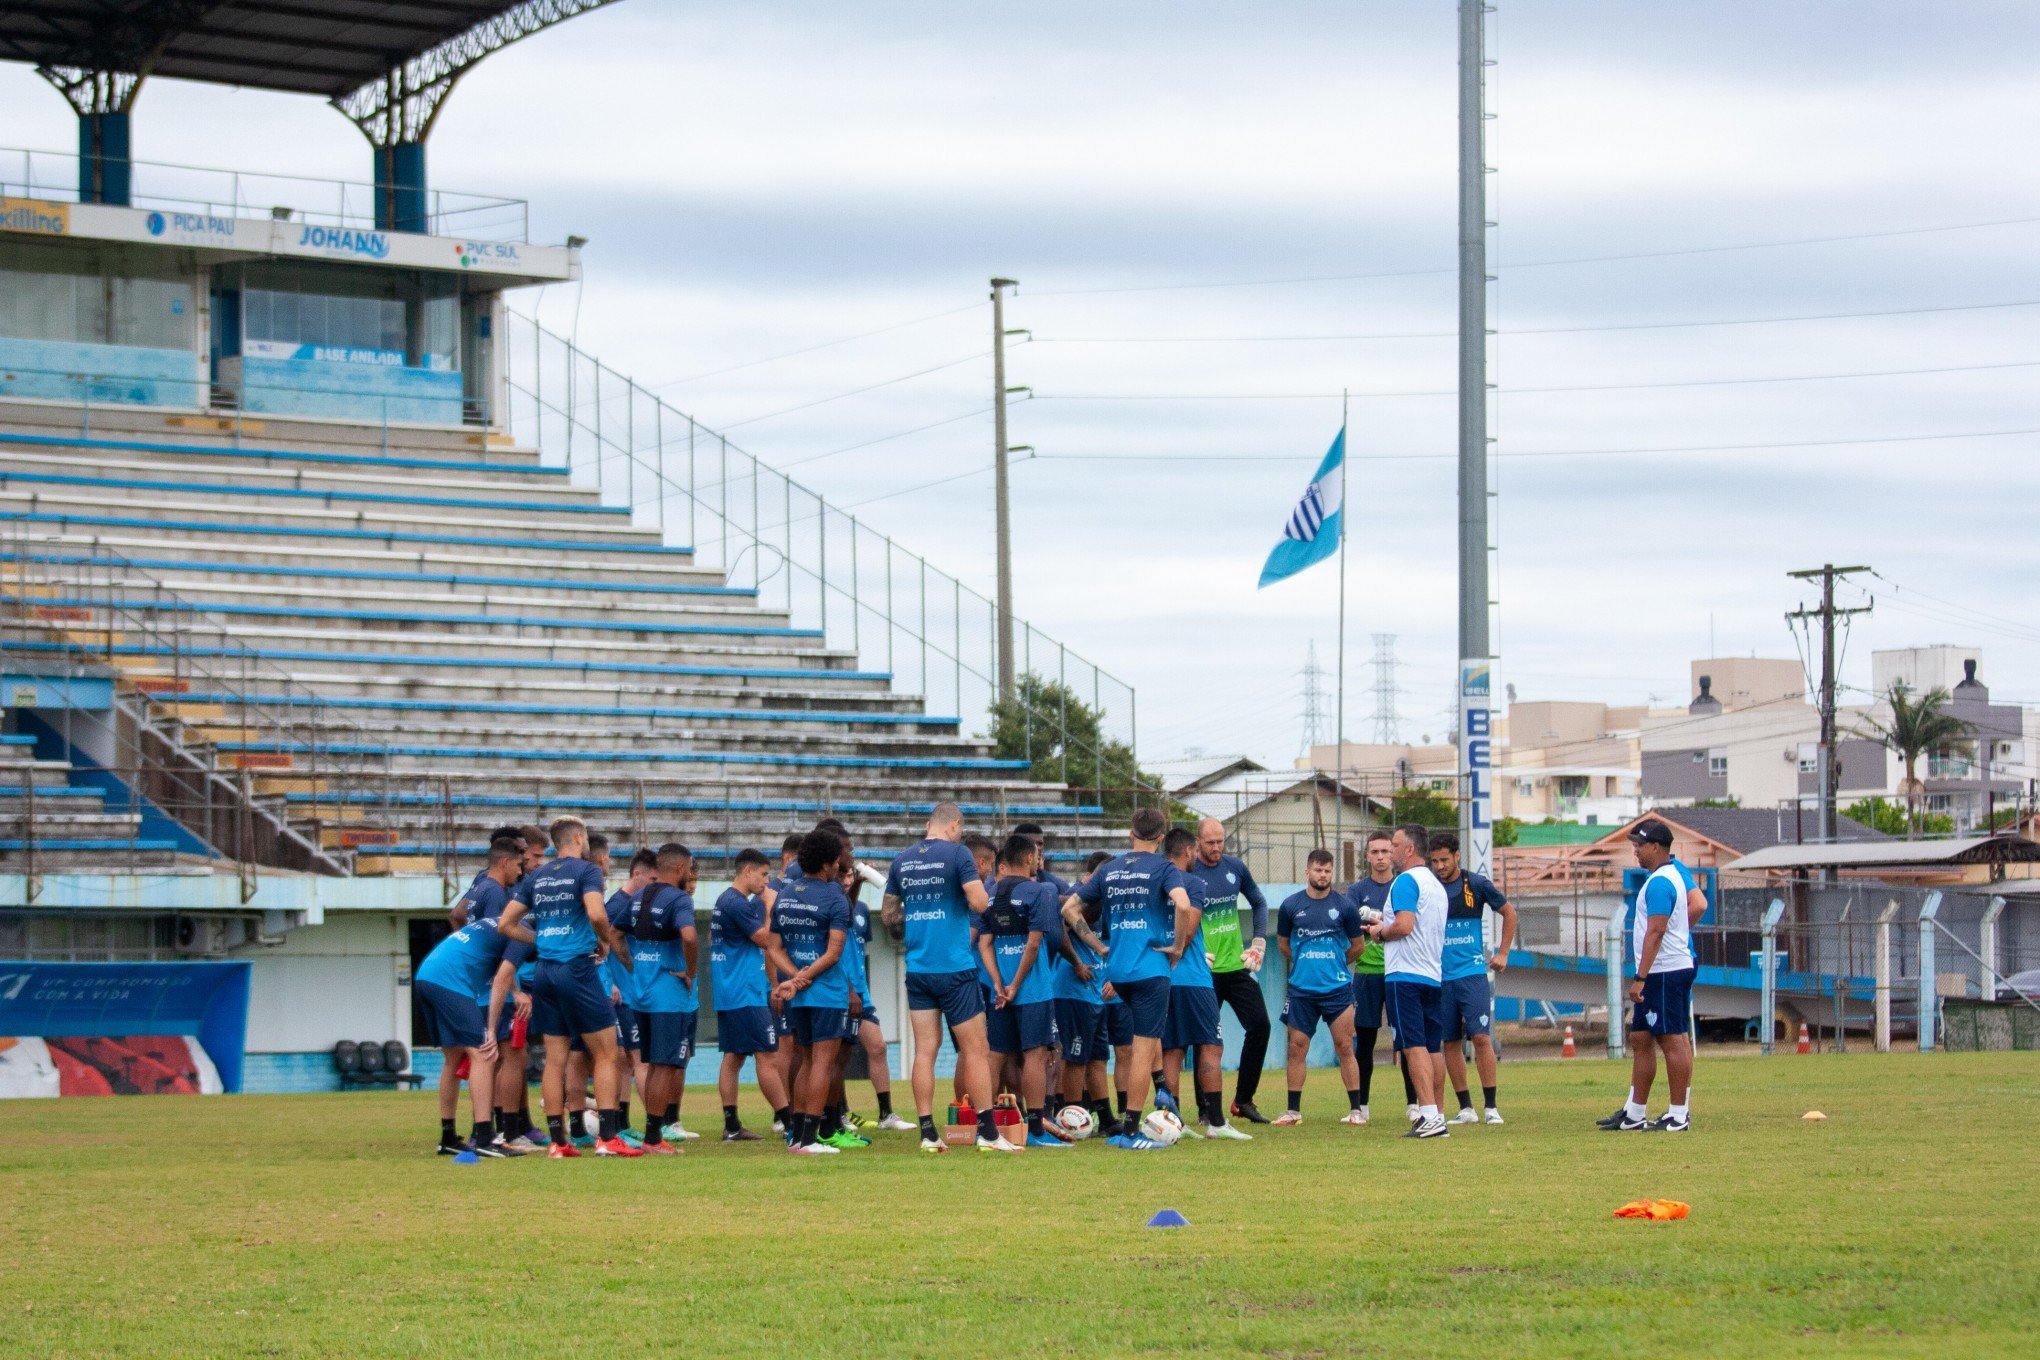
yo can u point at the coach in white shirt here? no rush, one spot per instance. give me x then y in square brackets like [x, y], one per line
[1413, 945]
[1660, 984]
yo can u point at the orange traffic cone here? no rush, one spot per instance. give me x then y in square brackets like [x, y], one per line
[1805, 1039]
[1568, 1051]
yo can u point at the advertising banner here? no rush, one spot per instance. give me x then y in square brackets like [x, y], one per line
[122, 1028]
[1477, 767]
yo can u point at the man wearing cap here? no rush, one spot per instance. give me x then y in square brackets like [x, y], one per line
[1660, 984]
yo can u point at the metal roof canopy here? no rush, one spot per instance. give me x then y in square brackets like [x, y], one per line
[1882, 854]
[366, 56]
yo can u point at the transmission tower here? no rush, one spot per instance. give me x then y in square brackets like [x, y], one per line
[1314, 733]
[1387, 723]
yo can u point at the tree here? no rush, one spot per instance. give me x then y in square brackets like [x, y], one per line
[1422, 807]
[1047, 724]
[1730, 802]
[1507, 831]
[1881, 814]
[1918, 726]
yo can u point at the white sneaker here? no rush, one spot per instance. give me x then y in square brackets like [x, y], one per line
[778, 1126]
[1465, 1116]
[996, 1145]
[1287, 1119]
[674, 1133]
[934, 1145]
[1227, 1131]
[1494, 1116]
[1365, 1117]
[896, 1124]
[1411, 1113]
[1353, 1117]
[814, 1150]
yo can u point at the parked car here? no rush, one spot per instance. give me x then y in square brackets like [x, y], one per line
[2020, 986]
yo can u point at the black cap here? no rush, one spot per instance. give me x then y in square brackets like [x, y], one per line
[1652, 832]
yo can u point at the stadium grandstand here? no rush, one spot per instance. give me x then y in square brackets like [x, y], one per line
[320, 560]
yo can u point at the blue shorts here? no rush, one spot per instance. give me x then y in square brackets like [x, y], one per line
[1417, 1010]
[1301, 1011]
[669, 1036]
[1021, 1026]
[1147, 1005]
[630, 1036]
[1081, 1028]
[448, 1018]
[569, 998]
[1469, 1007]
[747, 1029]
[1370, 1000]
[1193, 1018]
[1667, 1005]
[813, 1025]
[1118, 1024]
[957, 995]
[870, 1013]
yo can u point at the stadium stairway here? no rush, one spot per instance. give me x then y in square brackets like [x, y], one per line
[49, 820]
[398, 640]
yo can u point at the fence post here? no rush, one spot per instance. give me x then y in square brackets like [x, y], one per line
[1613, 955]
[1930, 1010]
[1881, 1005]
[1986, 946]
[1767, 1002]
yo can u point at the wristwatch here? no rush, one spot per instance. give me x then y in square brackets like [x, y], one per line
[1639, 978]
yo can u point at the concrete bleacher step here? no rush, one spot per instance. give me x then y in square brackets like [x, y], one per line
[461, 736]
[550, 690]
[672, 721]
[224, 468]
[281, 436]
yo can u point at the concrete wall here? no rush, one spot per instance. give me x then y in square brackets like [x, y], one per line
[103, 374]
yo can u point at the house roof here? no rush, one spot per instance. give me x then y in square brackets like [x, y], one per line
[1892, 853]
[1187, 774]
[1242, 792]
[1744, 830]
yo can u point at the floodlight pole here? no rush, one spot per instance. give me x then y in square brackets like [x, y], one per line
[1474, 834]
[1001, 498]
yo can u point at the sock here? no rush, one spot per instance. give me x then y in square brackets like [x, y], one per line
[556, 1128]
[1363, 1049]
[1133, 1122]
[672, 1113]
[1122, 1104]
[1159, 1080]
[623, 1115]
[1428, 1112]
[928, 1133]
[783, 1116]
[832, 1119]
[1296, 1102]
[1487, 1096]
[885, 1104]
[730, 1122]
[1465, 1100]
[986, 1128]
[605, 1125]
[485, 1132]
[1101, 1111]
[1214, 1102]
[1633, 1107]
[1677, 1112]
[654, 1135]
[1353, 1098]
[1034, 1129]
[447, 1136]
[1409, 1088]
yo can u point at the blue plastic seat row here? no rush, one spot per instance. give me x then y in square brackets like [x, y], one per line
[420, 616]
[50, 844]
[19, 738]
[355, 574]
[288, 455]
[72, 791]
[493, 708]
[306, 494]
[352, 535]
[798, 807]
[495, 662]
[519, 753]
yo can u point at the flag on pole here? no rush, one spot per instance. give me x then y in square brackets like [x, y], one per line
[1312, 533]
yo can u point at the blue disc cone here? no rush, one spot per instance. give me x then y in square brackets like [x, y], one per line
[467, 1158]
[1168, 1218]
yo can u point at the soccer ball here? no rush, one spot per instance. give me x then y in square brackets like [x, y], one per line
[1076, 1121]
[1162, 1127]
[590, 1126]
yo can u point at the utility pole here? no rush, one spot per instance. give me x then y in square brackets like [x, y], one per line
[1475, 685]
[1003, 509]
[1828, 772]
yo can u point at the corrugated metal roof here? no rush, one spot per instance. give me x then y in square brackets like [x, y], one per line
[1892, 854]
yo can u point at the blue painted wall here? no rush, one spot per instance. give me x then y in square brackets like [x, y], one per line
[348, 391]
[114, 374]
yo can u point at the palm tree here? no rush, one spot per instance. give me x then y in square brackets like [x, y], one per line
[1918, 726]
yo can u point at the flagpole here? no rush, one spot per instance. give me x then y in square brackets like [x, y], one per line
[1339, 760]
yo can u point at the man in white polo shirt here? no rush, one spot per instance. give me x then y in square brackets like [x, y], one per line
[1660, 984]
[1413, 940]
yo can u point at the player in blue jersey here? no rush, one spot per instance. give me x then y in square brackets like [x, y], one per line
[812, 919]
[452, 987]
[571, 933]
[1080, 1017]
[1319, 934]
[837, 1128]
[464, 909]
[1463, 973]
[1660, 988]
[513, 1092]
[932, 891]
[1192, 1030]
[741, 943]
[665, 956]
[1021, 930]
[630, 1061]
[1413, 940]
[1236, 954]
[1147, 922]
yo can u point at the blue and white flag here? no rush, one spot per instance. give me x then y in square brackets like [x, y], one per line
[1312, 533]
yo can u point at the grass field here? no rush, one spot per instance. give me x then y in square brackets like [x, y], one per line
[320, 1226]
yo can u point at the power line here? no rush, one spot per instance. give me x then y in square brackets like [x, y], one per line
[1533, 264]
[810, 349]
[856, 391]
[1526, 330]
[885, 438]
[1531, 453]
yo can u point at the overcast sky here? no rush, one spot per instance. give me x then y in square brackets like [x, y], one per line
[763, 176]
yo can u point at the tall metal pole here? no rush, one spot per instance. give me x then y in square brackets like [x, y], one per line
[1339, 760]
[1473, 451]
[1003, 511]
[1827, 769]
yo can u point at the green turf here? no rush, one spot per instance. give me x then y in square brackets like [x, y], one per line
[319, 1226]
